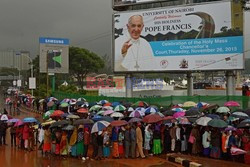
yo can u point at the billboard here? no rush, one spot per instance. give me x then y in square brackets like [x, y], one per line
[193, 38]
[54, 55]
[133, 2]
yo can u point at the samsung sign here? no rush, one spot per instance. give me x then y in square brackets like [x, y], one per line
[57, 41]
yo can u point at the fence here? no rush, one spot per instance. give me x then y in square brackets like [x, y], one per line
[161, 101]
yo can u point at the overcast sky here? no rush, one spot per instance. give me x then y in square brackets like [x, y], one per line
[87, 23]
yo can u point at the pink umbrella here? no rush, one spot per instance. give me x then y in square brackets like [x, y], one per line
[18, 123]
[231, 104]
[179, 114]
[108, 112]
[237, 151]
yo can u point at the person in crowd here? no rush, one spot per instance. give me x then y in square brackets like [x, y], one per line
[133, 141]
[72, 143]
[183, 134]
[215, 143]
[246, 145]
[127, 141]
[79, 144]
[3, 128]
[100, 145]
[31, 138]
[64, 144]
[121, 141]
[139, 141]
[173, 137]
[26, 130]
[115, 135]
[106, 144]
[86, 142]
[157, 140]
[94, 145]
[224, 139]
[13, 135]
[178, 139]
[167, 140]
[47, 141]
[147, 139]
[58, 136]
[196, 148]
[206, 138]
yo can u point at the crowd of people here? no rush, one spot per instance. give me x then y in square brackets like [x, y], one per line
[134, 139]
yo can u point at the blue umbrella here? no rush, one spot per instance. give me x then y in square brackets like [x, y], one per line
[213, 116]
[151, 110]
[29, 120]
[114, 104]
[13, 120]
[96, 118]
[99, 126]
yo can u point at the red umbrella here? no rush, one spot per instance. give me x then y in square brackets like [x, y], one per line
[83, 110]
[152, 118]
[119, 123]
[107, 104]
[57, 113]
[168, 118]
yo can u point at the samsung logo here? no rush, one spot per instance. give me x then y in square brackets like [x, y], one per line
[54, 41]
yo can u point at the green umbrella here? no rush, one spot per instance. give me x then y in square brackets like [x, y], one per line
[217, 123]
[47, 114]
[100, 112]
[95, 108]
[64, 105]
[223, 110]
[120, 108]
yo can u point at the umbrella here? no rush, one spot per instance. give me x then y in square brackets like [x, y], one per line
[236, 151]
[217, 123]
[130, 109]
[202, 104]
[29, 120]
[107, 104]
[179, 114]
[41, 101]
[106, 118]
[223, 110]
[168, 118]
[99, 126]
[13, 120]
[114, 104]
[213, 116]
[81, 99]
[102, 102]
[169, 113]
[119, 123]
[150, 110]
[158, 113]
[19, 123]
[178, 109]
[232, 119]
[203, 121]
[231, 104]
[244, 124]
[247, 111]
[95, 108]
[240, 115]
[192, 119]
[72, 101]
[108, 112]
[134, 120]
[136, 114]
[50, 103]
[57, 113]
[68, 127]
[47, 114]
[72, 116]
[107, 108]
[117, 114]
[189, 104]
[120, 108]
[183, 121]
[230, 128]
[82, 110]
[100, 112]
[152, 118]
[59, 123]
[83, 122]
[140, 104]
[79, 103]
[192, 112]
[48, 122]
[64, 104]
[4, 117]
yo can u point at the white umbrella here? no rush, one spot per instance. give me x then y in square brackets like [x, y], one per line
[117, 114]
[203, 121]
[130, 109]
[99, 126]
[4, 117]
[223, 110]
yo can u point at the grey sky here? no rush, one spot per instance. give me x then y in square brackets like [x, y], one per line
[87, 23]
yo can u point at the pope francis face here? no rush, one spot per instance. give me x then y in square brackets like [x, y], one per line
[135, 26]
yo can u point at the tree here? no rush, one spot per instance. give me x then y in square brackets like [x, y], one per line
[82, 62]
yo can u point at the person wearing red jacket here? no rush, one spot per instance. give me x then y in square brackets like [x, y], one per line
[26, 136]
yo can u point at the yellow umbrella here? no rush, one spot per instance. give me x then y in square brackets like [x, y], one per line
[189, 104]
[47, 123]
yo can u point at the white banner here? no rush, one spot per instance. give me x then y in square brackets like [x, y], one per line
[192, 38]
[19, 83]
[32, 83]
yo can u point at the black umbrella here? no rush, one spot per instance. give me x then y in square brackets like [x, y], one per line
[83, 121]
[192, 119]
[244, 124]
[192, 112]
[169, 113]
[59, 123]
[79, 103]
[106, 118]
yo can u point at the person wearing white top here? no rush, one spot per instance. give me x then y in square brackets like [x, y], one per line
[206, 138]
[135, 53]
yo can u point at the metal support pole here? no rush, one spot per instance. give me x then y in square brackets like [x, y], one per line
[230, 83]
[129, 85]
[53, 83]
[47, 70]
[32, 71]
[190, 82]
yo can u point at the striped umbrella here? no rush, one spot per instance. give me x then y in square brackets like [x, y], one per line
[95, 108]
[99, 126]
[108, 112]
[117, 114]
[120, 108]
[136, 114]
[150, 110]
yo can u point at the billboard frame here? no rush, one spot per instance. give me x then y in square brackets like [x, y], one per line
[172, 71]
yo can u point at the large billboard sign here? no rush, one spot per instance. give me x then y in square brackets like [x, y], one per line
[54, 55]
[202, 37]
